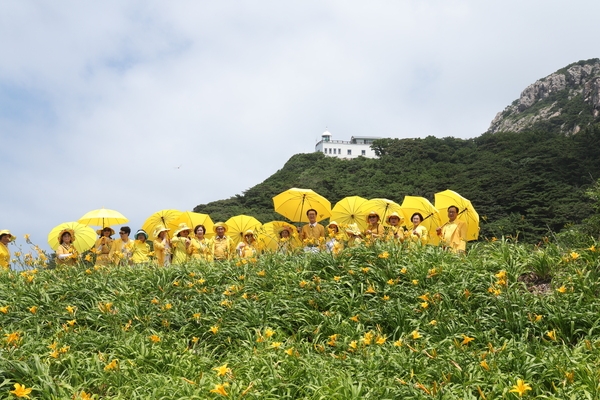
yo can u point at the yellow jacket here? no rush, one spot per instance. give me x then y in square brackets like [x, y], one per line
[312, 233]
[376, 231]
[423, 234]
[199, 249]
[222, 248]
[395, 233]
[103, 246]
[4, 256]
[64, 249]
[454, 236]
[141, 251]
[180, 251]
[121, 250]
[161, 250]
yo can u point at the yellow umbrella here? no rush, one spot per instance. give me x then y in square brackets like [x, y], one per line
[351, 210]
[85, 237]
[431, 215]
[103, 218]
[383, 207]
[466, 211]
[294, 202]
[236, 226]
[162, 217]
[268, 235]
[193, 219]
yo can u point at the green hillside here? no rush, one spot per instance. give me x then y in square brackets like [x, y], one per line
[526, 183]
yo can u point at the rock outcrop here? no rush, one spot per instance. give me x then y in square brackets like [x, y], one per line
[565, 101]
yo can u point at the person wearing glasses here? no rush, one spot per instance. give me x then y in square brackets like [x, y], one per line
[5, 238]
[103, 246]
[313, 233]
[453, 234]
[122, 248]
[374, 228]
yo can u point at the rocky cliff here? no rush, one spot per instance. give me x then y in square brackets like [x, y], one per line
[565, 101]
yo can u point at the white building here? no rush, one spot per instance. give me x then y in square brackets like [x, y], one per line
[357, 146]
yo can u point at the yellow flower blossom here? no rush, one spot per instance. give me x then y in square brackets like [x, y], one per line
[33, 309]
[381, 340]
[415, 334]
[365, 269]
[336, 278]
[168, 306]
[290, 351]
[354, 318]
[415, 282]
[404, 270]
[592, 248]
[214, 329]
[433, 322]
[12, 337]
[4, 309]
[85, 396]
[574, 255]
[276, 345]
[424, 305]
[353, 344]
[220, 389]
[385, 254]
[521, 387]
[467, 340]
[113, 365]
[222, 370]
[261, 273]
[484, 365]
[370, 290]
[551, 334]
[391, 282]
[303, 283]
[21, 391]
[385, 297]
[398, 343]
[71, 322]
[367, 338]
[154, 338]
[562, 289]
[269, 332]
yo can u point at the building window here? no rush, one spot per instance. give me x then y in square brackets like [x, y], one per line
[363, 152]
[339, 151]
[349, 152]
[325, 151]
[329, 151]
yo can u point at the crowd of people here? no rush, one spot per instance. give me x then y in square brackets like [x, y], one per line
[184, 243]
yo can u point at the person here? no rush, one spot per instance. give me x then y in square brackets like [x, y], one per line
[354, 235]
[199, 249]
[247, 248]
[141, 248]
[66, 254]
[285, 243]
[162, 246]
[5, 238]
[453, 234]
[418, 233]
[103, 246]
[374, 228]
[181, 242]
[312, 233]
[221, 246]
[334, 243]
[395, 231]
[122, 248]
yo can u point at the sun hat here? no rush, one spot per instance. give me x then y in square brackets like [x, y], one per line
[182, 227]
[10, 235]
[218, 224]
[69, 231]
[159, 229]
[142, 232]
[372, 213]
[99, 231]
[394, 214]
[353, 229]
[333, 223]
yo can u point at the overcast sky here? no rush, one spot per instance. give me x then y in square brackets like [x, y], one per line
[144, 105]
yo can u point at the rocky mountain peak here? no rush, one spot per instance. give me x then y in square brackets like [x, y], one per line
[565, 101]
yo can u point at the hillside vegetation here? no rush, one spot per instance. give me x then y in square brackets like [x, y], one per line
[527, 184]
[379, 322]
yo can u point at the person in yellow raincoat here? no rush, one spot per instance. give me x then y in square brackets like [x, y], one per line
[222, 246]
[453, 235]
[285, 243]
[334, 243]
[162, 246]
[181, 242]
[247, 248]
[354, 235]
[199, 248]
[141, 248]
[312, 233]
[374, 228]
[103, 246]
[394, 230]
[5, 238]
[122, 248]
[418, 233]
[66, 254]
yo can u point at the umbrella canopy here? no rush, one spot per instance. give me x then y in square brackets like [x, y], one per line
[268, 234]
[466, 212]
[85, 237]
[351, 210]
[239, 224]
[103, 218]
[294, 202]
[431, 215]
[162, 217]
[193, 219]
[383, 207]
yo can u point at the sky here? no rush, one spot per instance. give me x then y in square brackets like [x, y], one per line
[140, 106]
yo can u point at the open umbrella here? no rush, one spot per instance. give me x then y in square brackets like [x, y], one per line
[383, 207]
[351, 210]
[193, 219]
[294, 202]
[431, 215]
[466, 211]
[103, 218]
[268, 234]
[85, 237]
[162, 217]
[236, 226]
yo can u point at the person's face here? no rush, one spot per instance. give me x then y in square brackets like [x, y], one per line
[141, 237]
[5, 239]
[249, 238]
[161, 235]
[333, 228]
[452, 214]
[185, 233]
[123, 235]
[285, 233]
[220, 230]
[394, 221]
[312, 217]
[373, 219]
[416, 220]
[200, 232]
[106, 232]
[66, 237]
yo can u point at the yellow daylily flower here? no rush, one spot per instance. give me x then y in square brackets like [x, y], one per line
[220, 389]
[21, 391]
[520, 388]
[222, 370]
